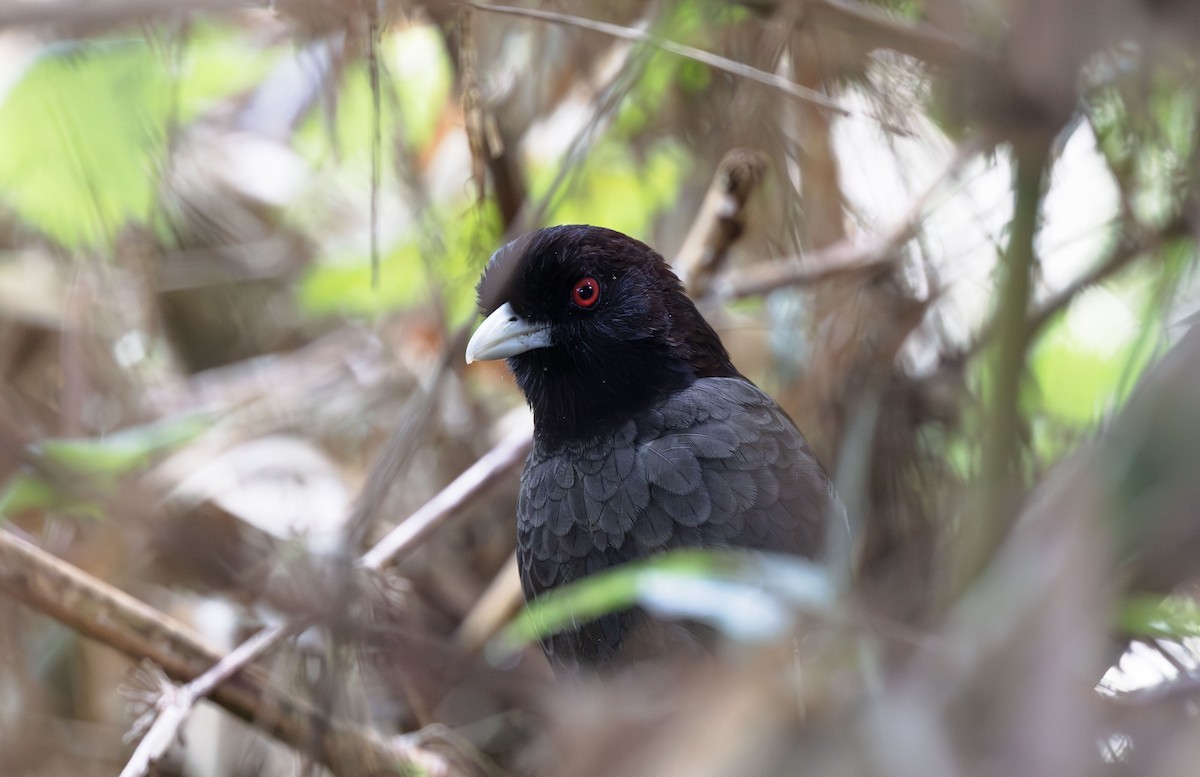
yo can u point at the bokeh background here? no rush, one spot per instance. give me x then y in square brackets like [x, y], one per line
[238, 246]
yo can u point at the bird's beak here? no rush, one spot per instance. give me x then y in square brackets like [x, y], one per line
[504, 334]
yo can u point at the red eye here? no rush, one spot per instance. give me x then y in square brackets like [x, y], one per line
[586, 292]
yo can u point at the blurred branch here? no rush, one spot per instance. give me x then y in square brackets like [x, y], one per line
[715, 61]
[605, 95]
[846, 257]
[877, 29]
[114, 618]
[720, 221]
[403, 442]
[80, 17]
[1001, 444]
[286, 382]
[1135, 242]
[502, 598]
[1184, 689]
[507, 454]
[174, 703]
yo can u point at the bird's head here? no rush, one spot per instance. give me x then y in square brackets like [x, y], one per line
[594, 326]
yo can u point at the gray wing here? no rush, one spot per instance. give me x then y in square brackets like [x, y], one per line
[718, 464]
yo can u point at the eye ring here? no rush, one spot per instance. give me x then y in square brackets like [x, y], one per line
[585, 292]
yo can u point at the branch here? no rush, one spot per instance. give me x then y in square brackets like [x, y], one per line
[847, 257]
[715, 61]
[877, 29]
[502, 599]
[721, 219]
[1129, 249]
[174, 703]
[104, 613]
[1136, 242]
[83, 18]
[508, 453]
[1002, 415]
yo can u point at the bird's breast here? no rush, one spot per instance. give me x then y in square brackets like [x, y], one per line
[716, 465]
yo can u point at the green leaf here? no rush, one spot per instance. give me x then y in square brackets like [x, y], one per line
[25, 492]
[1083, 363]
[218, 62]
[1173, 617]
[124, 452]
[342, 284]
[83, 132]
[416, 80]
[615, 189]
[748, 596]
[30, 492]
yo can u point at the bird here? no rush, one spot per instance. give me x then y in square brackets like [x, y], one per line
[646, 436]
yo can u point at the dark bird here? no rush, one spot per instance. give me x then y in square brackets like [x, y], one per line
[646, 437]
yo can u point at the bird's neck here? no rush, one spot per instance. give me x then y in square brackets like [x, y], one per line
[577, 396]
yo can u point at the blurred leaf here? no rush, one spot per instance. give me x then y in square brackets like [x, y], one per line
[617, 190]
[748, 596]
[1173, 618]
[692, 23]
[83, 131]
[342, 285]
[421, 71]
[1082, 365]
[23, 492]
[1147, 131]
[218, 61]
[30, 492]
[415, 85]
[123, 452]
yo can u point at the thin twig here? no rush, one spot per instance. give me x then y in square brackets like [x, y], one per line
[606, 95]
[373, 32]
[91, 17]
[1127, 250]
[1136, 242]
[868, 25]
[507, 454]
[715, 61]
[175, 704]
[396, 454]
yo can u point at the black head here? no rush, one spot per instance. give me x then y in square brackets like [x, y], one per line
[594, 326]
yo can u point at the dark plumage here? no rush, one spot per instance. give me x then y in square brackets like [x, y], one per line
[646, 436]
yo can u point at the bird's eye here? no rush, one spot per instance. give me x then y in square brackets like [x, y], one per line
[586, 292]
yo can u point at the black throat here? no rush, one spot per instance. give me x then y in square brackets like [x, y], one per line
[576, 395]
